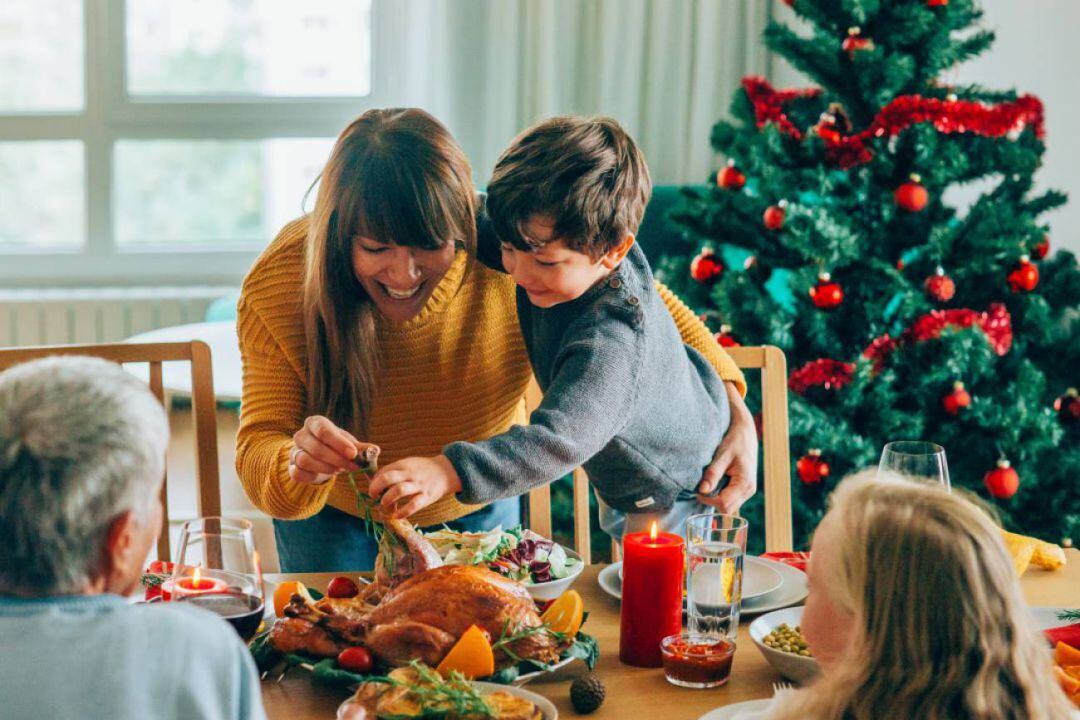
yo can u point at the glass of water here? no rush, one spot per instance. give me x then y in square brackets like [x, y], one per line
[715, 548]
[917, 460]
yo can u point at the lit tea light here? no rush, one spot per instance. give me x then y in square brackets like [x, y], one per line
[196, 584]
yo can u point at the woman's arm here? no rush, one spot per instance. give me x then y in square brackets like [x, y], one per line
[273, 408]
[696, 335]
[737, 455]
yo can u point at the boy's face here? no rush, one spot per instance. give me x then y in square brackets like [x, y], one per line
[553, 274]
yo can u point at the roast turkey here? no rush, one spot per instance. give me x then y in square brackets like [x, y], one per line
[417, 609]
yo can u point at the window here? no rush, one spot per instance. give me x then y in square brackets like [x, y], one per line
[162, 141]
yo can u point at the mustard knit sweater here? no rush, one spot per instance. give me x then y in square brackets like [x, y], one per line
[457, 371]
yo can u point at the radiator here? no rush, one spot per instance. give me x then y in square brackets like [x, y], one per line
[62, 316]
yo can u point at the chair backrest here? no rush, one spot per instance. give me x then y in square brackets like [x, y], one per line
[203, 407]
[776, 459]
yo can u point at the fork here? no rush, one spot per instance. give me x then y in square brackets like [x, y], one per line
[778, 686]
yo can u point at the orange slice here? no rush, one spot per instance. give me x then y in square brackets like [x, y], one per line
[471, 656]
[1068, 683]
[1066, 655]
[284, 592]
[565, 614]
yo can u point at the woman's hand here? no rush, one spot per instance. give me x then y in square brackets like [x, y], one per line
[737, 457]
[322, 450]
[410, 485]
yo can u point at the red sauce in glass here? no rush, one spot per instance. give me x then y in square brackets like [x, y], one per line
[696, 661]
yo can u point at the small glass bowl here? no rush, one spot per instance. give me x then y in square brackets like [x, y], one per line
[697, 660]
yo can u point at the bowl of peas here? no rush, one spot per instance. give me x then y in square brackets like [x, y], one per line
[780, 640]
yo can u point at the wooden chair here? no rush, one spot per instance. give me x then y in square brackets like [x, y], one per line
[776, 459]
[202, 405]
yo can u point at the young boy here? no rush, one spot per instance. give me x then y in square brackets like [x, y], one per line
[623, 396]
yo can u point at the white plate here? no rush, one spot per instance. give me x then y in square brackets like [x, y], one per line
[731, 712]
[545, 706]
[762, 579]
[792, 592]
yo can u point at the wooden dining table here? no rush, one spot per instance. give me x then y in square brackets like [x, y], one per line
[632, 692]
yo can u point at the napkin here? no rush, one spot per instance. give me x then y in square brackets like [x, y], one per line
[1068, 634]
[796, 560]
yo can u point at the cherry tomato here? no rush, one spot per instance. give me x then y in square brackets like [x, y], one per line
[355, 659]
[342, 587]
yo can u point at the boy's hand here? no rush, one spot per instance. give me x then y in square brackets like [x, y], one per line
[407, 486]
[736, 457]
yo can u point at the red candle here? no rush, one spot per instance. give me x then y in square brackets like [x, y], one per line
[652, 593]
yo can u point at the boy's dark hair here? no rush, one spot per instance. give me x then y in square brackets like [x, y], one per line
[586, 173]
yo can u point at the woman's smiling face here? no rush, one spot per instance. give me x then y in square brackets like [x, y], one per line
[397, 278]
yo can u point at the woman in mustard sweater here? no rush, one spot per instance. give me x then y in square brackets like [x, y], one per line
[369, 321]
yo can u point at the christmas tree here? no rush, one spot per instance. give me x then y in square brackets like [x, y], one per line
[903, 315]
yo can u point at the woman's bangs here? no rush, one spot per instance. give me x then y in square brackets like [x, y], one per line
[415, 211]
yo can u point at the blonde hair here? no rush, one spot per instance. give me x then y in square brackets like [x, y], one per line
[941, 629]
[397, 176]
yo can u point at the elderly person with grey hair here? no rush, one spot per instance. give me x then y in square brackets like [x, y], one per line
[82, 448]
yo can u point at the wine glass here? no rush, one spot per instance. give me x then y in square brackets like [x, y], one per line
[917, 460]
[217, 568]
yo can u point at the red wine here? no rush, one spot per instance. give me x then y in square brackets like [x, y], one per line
[244, 612]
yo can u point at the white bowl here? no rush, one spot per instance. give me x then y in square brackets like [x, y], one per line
[796, 668]
[554, 588]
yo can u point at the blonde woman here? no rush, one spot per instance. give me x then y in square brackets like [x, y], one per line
[369, 322]
[915, 612]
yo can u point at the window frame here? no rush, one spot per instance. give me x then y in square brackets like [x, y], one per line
[109, 115]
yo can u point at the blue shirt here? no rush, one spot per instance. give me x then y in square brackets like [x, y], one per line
[98, 656]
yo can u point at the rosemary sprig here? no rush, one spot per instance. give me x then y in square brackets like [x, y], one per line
[510, 636]
[1069, 616]
[152, 580]
[435, 693]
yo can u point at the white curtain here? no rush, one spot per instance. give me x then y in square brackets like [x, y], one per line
[665, 69]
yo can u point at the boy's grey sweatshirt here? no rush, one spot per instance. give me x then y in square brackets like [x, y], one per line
[623, 396]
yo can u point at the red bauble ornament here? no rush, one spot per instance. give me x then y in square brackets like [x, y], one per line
[855, 42]
[957, 400]
[1002, 482]
[706, 268]
[1042, 248]
[936, 3]
[811, 468]
[725, 338]
[940, 287]
[729, 178]
[826, 294]
[773, 217]
[1068, 406]
[911, 196]
[1025, 276]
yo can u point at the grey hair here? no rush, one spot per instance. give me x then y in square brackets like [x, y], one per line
[81, 443]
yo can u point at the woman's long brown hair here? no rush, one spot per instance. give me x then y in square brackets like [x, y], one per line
[396, 176]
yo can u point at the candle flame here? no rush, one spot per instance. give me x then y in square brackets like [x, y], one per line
[653, 531]
[195, 579]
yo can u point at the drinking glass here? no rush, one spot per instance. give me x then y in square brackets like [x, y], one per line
[715, 548]
[918, 460]
[217, 568]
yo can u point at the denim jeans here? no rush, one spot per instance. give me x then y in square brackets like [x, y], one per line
[334, 541]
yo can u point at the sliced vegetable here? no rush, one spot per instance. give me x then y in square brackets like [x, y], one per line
[471, 656]
[565, 614]
[284, 592]
[342, 587]
[355, 659]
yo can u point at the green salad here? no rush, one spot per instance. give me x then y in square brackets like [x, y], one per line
[517, 553]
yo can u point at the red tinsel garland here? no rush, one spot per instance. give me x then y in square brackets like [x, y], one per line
[830, 374]
[947, 116]
[996, 324]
